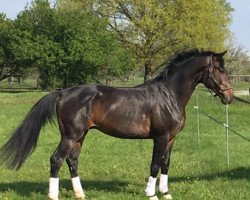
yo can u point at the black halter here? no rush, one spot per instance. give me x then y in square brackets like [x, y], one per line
[211, 76]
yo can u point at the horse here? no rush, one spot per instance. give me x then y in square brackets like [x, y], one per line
[152, 110]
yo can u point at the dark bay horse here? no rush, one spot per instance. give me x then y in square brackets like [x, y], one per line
[153, 110]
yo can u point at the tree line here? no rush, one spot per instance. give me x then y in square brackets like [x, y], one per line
[80, 41]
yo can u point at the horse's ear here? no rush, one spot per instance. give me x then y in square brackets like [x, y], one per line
[222, 54]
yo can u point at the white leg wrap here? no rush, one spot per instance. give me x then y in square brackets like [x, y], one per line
[77, 187]
[53, 188]
[150, 188]
[163, 185]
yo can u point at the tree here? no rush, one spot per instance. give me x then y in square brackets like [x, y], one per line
[15, 49]
[236, 58]
[154, 29]
[4, 66]
[93, 53]
[39, 20]
[71, 47]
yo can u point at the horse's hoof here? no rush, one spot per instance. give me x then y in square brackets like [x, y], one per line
[53, 198]
[81, 196]
[167, 196]
[153, 198]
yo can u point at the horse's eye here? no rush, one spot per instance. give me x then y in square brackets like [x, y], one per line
[222, 70]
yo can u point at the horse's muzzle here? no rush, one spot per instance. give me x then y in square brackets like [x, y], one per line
[227, 96]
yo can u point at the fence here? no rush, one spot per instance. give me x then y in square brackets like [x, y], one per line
[236, 78]
[225, 124]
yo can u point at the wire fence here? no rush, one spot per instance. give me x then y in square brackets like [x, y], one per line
[225, 124]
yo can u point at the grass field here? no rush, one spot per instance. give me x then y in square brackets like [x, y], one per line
[117, 169]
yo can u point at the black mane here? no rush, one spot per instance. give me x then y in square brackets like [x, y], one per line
[182, 57]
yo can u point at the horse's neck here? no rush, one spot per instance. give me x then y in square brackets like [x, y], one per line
[182, 84]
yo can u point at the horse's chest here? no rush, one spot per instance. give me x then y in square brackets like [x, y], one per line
[181, 123]
[176, 125]
[170, 122]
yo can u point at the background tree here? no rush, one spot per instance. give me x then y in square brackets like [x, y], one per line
[236, 58]
[71, 47]
[39, 19]
[93, 53]
[5, 68]
[154, 29]
[15, 49]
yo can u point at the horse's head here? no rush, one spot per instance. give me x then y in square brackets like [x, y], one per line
[216, 78]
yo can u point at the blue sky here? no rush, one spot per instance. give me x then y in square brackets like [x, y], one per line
[241, 22]
[240, 25]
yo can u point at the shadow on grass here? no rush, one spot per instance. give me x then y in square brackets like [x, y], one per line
[26, 188]
[234, 174]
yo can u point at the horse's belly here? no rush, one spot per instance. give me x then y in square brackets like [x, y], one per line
[124, 130]
[123, 123]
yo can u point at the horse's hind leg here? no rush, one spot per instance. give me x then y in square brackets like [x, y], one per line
[56, 161]
[72, 161]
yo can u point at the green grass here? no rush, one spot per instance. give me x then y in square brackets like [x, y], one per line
[112, 168]
[241, 85]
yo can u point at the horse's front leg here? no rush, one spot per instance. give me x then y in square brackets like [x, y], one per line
[158, 152]
[163, 185]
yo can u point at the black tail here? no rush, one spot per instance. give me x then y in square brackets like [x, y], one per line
[24, 139]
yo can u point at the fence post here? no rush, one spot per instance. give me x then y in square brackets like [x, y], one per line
[197, 114]
[227, 133]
